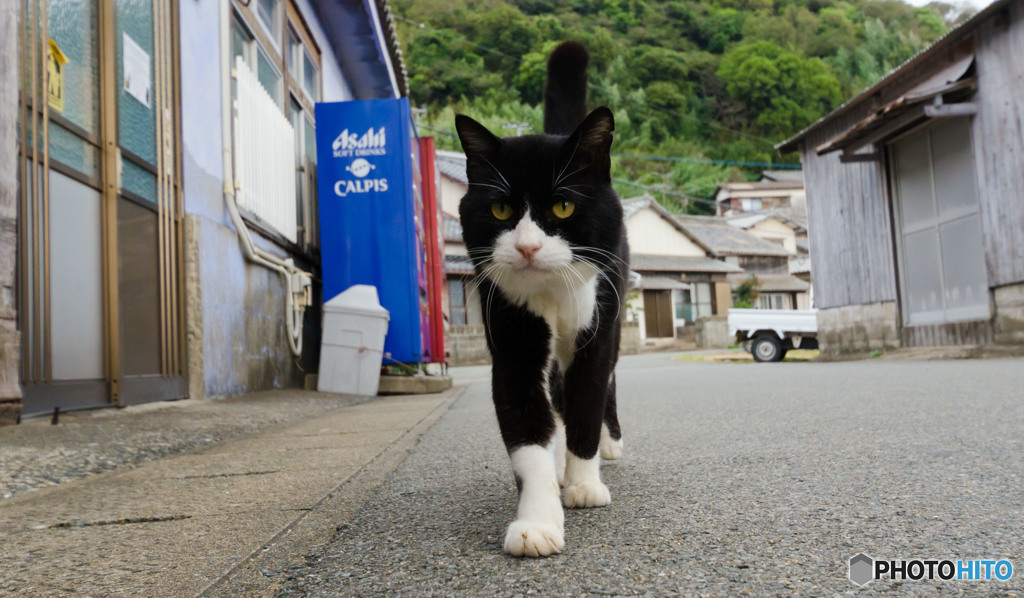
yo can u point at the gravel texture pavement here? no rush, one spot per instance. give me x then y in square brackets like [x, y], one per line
[36, 454]
[736, 479]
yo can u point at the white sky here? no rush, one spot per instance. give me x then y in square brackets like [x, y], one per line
[978, 4]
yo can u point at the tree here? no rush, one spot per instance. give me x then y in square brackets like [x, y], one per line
[747, 293]
[782, 92]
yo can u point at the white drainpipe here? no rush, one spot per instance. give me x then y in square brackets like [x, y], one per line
[297, 281]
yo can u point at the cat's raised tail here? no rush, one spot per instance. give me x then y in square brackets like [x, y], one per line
[565, 95]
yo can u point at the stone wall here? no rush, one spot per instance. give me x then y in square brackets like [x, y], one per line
[10, 342]
[1009, 322]
[713, 332]
[858, 328]
[467, 345]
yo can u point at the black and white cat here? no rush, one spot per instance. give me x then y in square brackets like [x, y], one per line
[544, 229]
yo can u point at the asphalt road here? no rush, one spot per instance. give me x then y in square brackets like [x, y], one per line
[736, 479]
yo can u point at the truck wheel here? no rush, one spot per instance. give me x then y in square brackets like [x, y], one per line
[767, 348]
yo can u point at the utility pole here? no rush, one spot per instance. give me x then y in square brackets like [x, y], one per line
[519, 127]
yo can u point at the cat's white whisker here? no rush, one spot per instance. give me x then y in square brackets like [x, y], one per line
[502, 189]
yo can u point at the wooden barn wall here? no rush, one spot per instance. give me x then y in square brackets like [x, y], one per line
[998, 131]
[847, 204]
[849, 230]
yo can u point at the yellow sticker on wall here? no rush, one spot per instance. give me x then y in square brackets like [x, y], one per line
[55, 61]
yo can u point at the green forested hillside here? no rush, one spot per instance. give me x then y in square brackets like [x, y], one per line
[691, 79]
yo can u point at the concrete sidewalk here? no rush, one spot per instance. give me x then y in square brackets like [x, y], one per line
[181, 525]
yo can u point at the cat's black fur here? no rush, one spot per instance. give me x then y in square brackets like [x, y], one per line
[522, 172]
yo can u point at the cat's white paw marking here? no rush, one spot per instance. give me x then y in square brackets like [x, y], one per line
[560, 472]
[610, 449]
[586, 495]
[534, 539]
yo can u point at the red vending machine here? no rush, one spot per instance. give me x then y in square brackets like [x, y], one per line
[433, 342]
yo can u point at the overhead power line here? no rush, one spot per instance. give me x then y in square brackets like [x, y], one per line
[676, 195]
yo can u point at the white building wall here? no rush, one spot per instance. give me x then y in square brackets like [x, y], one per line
[649, 233]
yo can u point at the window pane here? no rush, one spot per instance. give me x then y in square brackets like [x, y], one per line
[914, 181]
[268, 10]
[955, 190]
[294, 48]
[136, 118]
[269, 78]
[240, 40]
[72, 26]
[923, 276]
[963, 268]
[310, 140]
[677, 303]
[310, 81]
[456, 294]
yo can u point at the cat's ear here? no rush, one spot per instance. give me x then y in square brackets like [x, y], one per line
[476, 139]
[590, 144]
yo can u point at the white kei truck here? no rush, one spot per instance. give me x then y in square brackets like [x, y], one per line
[768, 334]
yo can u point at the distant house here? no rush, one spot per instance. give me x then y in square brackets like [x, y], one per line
[768, 261]
[454, 183]
[916, 184]
[786, 227]
[681, 281]
[742, 198]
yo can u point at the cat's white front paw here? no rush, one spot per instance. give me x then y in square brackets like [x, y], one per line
[586, 494]
[534, 539]
[560, 472]
[611, 449]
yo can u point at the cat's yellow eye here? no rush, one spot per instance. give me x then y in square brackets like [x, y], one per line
[563, 209]
[501, 211]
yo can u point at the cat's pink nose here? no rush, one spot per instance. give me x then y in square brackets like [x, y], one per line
[528, 250]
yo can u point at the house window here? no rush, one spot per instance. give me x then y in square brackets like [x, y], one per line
[244, 44]
[682, 304]
[305, 175]
[774, 301]
[457, 301]
[302, 67]
[269, 14]
[274, 43]
[943, 276]
[269, 76]
[751, 204]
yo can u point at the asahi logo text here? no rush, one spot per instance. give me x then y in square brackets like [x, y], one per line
[351, 145]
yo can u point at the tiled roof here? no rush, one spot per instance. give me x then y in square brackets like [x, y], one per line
[654, 281]
[715, 234]
[457, 264]
[452, 165]
[772, 283]
[782, 175]
[633, 205]
[795, 218]
[673, 263]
